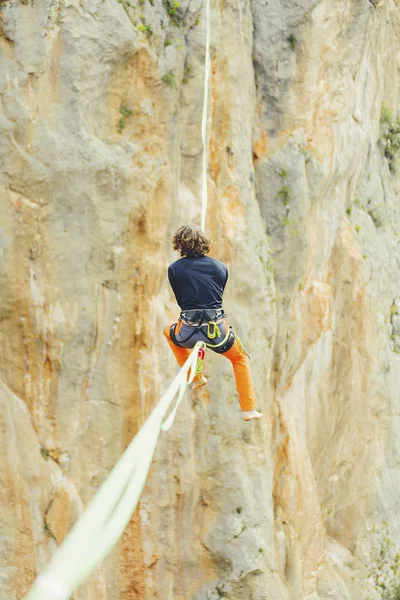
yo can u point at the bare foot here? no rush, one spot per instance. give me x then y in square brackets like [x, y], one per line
[249, 415]
[198, 383]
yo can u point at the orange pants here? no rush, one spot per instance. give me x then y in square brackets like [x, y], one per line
[241, 368]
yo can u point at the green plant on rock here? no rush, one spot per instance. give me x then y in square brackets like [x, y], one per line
[358, 228]
[188, 73]
[271, 267]
[125, 112]
[169, 79]
[386, 114]
[285, 194]
[290, 225]
[382, 571]
[146, 29]
[167, 43]
[44, 453]
[292, 41]
[390, 136]
[173, 8]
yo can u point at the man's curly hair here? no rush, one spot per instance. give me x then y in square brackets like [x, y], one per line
[191, 242]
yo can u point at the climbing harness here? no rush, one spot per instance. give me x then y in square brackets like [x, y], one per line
[223, 346]
[197, 318]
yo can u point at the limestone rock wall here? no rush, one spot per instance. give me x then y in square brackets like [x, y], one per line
[100, 161]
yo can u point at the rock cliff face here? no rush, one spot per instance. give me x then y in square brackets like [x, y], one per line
[100, 155]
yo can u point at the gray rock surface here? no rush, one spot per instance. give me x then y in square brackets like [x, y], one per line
[100, 161]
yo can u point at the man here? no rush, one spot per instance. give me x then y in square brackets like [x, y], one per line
[198, 283]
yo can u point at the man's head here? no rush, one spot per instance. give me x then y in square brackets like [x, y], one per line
[191, 242]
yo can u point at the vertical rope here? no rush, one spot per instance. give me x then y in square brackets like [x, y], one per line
[204, 196]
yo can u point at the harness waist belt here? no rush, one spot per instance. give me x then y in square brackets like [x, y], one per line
[202, 316]
[197, 324]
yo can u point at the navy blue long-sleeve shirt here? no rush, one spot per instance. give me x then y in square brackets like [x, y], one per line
[198, 282]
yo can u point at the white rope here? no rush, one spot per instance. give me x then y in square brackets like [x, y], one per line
[204, 125]
[111, 509]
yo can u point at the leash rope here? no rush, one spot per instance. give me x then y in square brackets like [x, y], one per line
[207, 68]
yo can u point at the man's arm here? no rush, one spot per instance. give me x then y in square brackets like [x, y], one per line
[171, 275]
[172, 281]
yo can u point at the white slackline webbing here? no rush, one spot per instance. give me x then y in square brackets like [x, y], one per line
[111, 509]
[204, 124]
